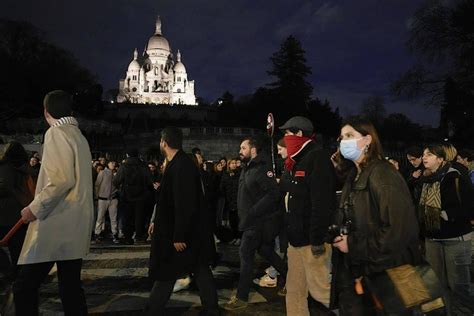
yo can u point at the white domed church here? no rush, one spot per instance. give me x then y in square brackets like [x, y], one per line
[157, 77]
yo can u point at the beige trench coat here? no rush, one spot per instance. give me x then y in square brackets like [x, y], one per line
[63, 203]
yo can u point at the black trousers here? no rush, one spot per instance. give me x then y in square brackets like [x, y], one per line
[14, 246]
[234, 224]
[134, 219]
[252, 241]
[162, 290]
[30, 277]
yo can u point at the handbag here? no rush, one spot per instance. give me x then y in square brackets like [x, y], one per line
[406, 287]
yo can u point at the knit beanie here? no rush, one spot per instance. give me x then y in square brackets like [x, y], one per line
[58, 103]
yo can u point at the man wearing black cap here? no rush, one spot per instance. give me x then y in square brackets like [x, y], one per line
[61, 215]
[311, 201]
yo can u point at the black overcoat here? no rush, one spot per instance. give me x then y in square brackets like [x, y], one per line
[182, 216]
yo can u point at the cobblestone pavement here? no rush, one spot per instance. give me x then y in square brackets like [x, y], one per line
[115, 281]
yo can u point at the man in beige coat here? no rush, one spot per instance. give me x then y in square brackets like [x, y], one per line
[61, 215]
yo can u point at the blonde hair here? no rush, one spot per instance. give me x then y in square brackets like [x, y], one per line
[228, 164]
[450, 151]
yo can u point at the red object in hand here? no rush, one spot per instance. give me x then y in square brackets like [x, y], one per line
[12, 231]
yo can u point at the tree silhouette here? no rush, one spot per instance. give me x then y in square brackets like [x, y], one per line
[442, 36]
[31, 67]
[325, 121]
[291, 88]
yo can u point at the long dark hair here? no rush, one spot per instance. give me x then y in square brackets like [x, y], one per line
[14, 153]
[365, 127]
[345, 169]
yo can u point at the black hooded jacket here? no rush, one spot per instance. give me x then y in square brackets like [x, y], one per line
[134, 180]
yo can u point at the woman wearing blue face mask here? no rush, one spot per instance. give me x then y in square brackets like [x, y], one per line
[376, 224]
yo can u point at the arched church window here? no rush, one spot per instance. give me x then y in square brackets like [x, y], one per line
[179, 90]
[179, 79]
[128, 82]
[134, 77]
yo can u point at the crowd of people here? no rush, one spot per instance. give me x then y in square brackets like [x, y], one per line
[330, 225]
[126, 194]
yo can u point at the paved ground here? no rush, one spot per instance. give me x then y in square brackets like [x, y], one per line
[115, 281]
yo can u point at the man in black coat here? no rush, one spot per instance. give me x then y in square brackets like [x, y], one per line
[259, 218]
[182, 241]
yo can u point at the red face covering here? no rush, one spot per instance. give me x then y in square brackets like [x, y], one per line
[294, 144]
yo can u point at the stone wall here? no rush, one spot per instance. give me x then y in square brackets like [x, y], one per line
[214, 142]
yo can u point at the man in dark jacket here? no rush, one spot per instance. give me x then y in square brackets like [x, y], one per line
[311, 203]
[259, 218]
[182, 242]
[134, 182]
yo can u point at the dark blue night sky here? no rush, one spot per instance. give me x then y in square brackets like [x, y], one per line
[355, 48]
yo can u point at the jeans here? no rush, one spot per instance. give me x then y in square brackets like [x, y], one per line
[252, 241]
[450, 260]
[30, 277]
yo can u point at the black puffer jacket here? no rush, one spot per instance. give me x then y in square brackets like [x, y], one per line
[312, 196]
[384, 231]
[258, 194]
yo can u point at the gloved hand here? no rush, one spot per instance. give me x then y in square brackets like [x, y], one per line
[318, 250]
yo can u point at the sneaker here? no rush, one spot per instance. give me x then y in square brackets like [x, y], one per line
[266, 281]
[181, 284]
[269, 270]
[235, 303]
[282, 291]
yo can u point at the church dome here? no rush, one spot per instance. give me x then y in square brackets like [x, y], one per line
[179, 66]
[158, 42]
[134, 65]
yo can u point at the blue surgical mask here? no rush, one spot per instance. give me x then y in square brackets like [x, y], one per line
[349, 149]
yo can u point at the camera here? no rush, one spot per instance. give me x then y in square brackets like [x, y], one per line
[338, 230]
[342, 224]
